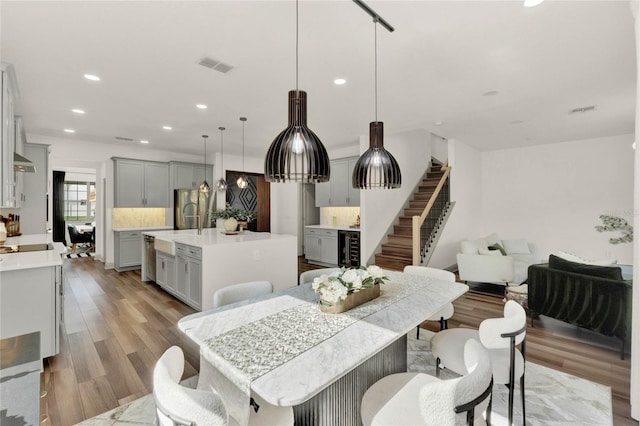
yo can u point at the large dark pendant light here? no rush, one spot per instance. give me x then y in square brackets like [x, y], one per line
[243, 180]
[221, 184]
[296, 154]
[204, 186]
[376, 168]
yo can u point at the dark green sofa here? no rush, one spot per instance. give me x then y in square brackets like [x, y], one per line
[592, 297]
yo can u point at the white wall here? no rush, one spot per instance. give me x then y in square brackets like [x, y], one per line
[554, 194]
[379, 207]
[466, 191]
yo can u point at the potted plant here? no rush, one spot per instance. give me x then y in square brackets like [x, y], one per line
[232, 216]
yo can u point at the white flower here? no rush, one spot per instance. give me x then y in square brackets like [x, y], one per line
[318, 281]
[333, 292]
[375, 271]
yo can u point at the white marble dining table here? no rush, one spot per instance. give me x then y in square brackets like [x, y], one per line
[282, 348]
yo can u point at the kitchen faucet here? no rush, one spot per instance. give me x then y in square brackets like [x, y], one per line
[197, 216]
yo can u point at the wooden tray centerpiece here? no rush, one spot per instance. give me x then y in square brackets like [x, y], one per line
[347, 288]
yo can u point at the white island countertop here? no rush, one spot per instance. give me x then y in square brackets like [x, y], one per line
[31, 259]
[213, 236]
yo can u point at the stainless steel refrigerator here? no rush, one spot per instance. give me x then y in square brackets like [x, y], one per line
[190, 206]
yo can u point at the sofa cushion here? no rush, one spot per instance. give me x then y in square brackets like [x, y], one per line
[529, 259]
[610, 272]
[578, 259]
[467, 247]
[519, 246]
[490, 252]
[498, 247]
[492, 239]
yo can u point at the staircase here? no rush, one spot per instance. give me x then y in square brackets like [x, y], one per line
[397, 252]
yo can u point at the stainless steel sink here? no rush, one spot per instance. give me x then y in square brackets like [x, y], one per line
[25, 248]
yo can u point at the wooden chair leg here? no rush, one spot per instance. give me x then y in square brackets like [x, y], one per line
[418, 332]
[437, 367]
[442, 327]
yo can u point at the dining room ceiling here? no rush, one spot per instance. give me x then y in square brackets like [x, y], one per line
[493, 75]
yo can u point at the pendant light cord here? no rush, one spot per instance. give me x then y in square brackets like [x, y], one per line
[297, 46]
[221, 151]
[375, 60]
[243, 145]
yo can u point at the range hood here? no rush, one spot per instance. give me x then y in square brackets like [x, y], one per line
[22, 164]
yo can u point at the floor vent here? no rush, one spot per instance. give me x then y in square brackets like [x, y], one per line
[120, 138]
[582, 109]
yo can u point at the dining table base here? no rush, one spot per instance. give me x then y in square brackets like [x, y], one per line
[339, 403]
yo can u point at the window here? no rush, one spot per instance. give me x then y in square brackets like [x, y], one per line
[79, 201]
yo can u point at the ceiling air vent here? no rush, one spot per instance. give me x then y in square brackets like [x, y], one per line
[214, 64]
[120, 138]
[582, 109]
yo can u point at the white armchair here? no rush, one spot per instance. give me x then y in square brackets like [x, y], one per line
[492, 260]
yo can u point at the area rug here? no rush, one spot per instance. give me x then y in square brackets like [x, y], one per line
[553, 398]
[78, 255]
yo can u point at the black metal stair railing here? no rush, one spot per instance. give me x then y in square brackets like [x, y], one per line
[427, 226]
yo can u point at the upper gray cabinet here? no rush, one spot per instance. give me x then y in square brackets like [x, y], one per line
[7, 174]
[140, 183]
[338, 192]
[188, 175]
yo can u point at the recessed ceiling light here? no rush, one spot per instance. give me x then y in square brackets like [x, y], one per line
[531, 3]
[167, 127]
[438, 123]
[633, 145]
[144, 141]
[201, 106]
[69, 130]
[92, 77]
[339, 81]
[78, 111]
[490, 93]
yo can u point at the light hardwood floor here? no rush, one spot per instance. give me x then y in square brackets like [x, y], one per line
[116, 327]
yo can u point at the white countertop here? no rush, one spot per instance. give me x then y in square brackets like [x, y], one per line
[32, 259]
[337, 227]
[213, 236]
[141, 228]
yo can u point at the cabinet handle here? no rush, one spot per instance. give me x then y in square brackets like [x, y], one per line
[186, 265]
[163, 265]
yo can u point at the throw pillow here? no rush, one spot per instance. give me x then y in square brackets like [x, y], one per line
[467, 247]
[610, 272]
[573, 258]
[493, 239]
[480, 243]
[490, 252]
[497, 247]
[519, 246]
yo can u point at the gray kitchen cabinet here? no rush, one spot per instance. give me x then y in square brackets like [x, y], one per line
[140, 183]
[189, 275]
[128, 250]
[33, 211]
[321, 246]
[9, 95]
[166, 272]
[338, 192]
[188, 175]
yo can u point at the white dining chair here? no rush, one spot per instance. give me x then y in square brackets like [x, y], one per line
[447, 310]
[420, 399]
[179, 405]
[238, 292]
[308, 276]
[501, 337]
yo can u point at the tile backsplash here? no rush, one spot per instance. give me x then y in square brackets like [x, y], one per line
[131, 218]
[344, 216]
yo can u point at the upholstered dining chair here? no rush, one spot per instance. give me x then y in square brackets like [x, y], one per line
[446, 311]
[308, 276]
[78, 237]
[420, 399]
[501, 337]
[238, 292]
[179, 405]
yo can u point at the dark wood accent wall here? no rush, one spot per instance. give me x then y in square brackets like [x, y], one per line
[255, 198]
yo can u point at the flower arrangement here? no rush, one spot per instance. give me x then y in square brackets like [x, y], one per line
[230, 212]
[334, 288]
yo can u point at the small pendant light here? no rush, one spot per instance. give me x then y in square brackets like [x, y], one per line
[243, 180]
[376, 168]
[297, 154]
[221, 184]
[204, 186]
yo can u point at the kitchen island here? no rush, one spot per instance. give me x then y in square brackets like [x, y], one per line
[31, 290]
[192, 267]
